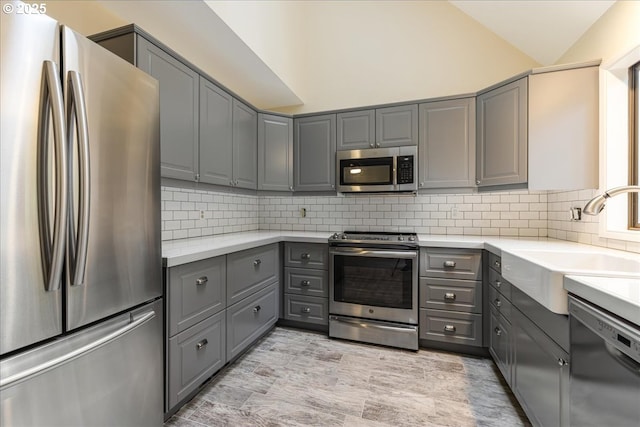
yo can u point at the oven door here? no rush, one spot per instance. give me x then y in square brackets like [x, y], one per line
[377, 284]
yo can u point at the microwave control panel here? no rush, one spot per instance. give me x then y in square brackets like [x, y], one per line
[405, 169]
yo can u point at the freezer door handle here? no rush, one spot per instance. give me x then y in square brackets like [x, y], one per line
[76, 111]
[52, 245]
[79, 352]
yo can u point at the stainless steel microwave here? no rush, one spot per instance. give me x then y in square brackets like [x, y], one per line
[392, 169]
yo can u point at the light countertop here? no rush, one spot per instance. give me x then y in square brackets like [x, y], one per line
[618, 295]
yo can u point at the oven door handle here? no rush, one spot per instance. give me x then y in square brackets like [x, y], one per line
[371, 324]
[373, 253]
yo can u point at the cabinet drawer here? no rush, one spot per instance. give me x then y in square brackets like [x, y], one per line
[305, 281]
[310, 255]
[195, 291]
[500, 303]
[195, 355]
[250, 318]
[498, 282]
[451, 327]
[448, 294]
[306, 309]
[495, 262]
[451, 263]
[251, 270]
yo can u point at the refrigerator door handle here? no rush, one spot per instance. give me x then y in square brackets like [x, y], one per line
[52, 246]
[52, 363]
[76, 109]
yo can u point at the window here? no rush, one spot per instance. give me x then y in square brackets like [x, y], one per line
[634, 144]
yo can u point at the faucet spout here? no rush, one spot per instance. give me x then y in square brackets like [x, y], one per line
[597, 204]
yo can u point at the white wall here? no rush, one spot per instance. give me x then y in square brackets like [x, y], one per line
[342, 54]
[85, 17]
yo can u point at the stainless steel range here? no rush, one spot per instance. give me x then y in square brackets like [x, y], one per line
[373, 294]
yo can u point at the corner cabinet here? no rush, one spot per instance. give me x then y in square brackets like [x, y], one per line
[275, 153]
[447, 147]
[179, 99]
[502, 135]
[314, 149]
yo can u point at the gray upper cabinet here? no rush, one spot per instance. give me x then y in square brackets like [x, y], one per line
[356, 130]
[275, 153]
[245, 146]
[216, 126]
[314, 149]
[179, 95]
[447, 146]
[397, 126]
[502, 135]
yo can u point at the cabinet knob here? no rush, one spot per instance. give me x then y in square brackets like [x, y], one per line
[333, 186]
[291, 188]
[305, 255]
[257, 262]
[497, 331]
[450, 296]
[449, 264]
[371, 144]
[496, 263]
[562, 362]
[498, 303]
[202, 280]
[305, 309]
[230, 182]
[498, 283]
[449, 328]
[257, 308]
[422, 184]
[305, 283]
[202, 344]
[477, 182]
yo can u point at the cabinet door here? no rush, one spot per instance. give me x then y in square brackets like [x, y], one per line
[502, 135]
[540, 374]
[447, 147]
[314, 149]
[397, 126]
[356, 130]
[275, 153]
[500, 343]
[216, 149]
[179, 94]
[245, 146]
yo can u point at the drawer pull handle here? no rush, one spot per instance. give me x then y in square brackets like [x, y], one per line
[257, 262]
[257, 308]
[562, 362]
[305, 310]
[305, 256]
[202, 344]
[449, 264]
[498, 283]
[498, 331]
[450, 296]
[496, 263]
[449, 328]
[305, 283]
[202, 280]
[498, 303]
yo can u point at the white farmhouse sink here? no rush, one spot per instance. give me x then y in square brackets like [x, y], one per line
[540, 273]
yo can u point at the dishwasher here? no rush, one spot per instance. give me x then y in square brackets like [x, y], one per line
[604, 368]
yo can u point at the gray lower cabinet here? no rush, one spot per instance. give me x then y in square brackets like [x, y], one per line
[501, 153]
[447, 147]
[306, 283]
[397, 126]
[250, 318]
[275, 153]
[540, 374]
[450, 296]
[500, 346]
[314, 150]
[179, 99]
[216, 128]
[356, 130]
[195, 355]
[250, 270]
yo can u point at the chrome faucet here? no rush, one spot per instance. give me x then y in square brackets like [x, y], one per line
[596, 205]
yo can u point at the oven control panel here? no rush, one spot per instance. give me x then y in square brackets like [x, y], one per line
[409, 239]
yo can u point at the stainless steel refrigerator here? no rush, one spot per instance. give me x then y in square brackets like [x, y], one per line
[81, 279]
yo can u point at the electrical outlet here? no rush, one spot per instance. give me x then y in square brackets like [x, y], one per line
[201, 214]
[303, 212]
[455, 213]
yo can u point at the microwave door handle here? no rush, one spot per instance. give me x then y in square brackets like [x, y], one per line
[395, 172]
